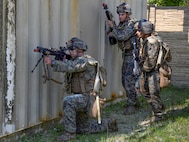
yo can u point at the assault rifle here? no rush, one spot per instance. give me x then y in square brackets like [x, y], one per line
[109, 16]
[59, 55]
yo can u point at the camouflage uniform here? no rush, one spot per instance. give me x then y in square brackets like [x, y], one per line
[76, 106]
[123, 33]
[150, 78]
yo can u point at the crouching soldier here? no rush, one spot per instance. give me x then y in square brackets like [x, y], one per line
[76, 107]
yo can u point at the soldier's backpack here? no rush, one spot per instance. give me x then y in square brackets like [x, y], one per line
[96, 102]
[164, 57]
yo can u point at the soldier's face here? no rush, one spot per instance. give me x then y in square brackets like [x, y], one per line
[123, 17]
[80, 52]
[140, 34]
[73, 53]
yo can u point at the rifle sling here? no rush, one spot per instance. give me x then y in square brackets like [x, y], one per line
[46, 75]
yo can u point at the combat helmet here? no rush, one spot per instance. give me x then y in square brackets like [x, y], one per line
[75, 42]
[122, 8]
[145, 26]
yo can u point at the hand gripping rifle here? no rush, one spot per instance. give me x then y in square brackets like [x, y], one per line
[136, 60]
[109, 16]
[59, 55]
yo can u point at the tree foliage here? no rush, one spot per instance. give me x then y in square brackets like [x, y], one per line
[169, 2]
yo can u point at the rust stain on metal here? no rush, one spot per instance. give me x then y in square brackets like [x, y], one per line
[74, 17]
[60, 113]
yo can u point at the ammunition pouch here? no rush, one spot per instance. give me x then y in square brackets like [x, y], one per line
[165, 75]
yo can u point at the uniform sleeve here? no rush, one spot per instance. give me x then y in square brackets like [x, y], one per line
[77, 65]
[123, 34]
[152, 51]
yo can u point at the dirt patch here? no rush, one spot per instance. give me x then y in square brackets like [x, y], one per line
[128, 124]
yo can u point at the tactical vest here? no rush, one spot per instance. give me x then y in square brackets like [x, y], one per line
[126, 45]
[83, 82]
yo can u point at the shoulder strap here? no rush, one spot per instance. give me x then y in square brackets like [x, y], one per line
[98, 80]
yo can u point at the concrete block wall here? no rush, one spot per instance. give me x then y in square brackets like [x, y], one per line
[172, 23]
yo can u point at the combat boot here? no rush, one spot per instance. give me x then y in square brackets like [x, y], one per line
[112, 125]
[67, 137]
[129, 110]
[155, 119]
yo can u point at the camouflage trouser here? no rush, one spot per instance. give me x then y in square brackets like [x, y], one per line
[76, 119]
[128, 79]
[149, 87]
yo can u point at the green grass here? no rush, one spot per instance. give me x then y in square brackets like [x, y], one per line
[173, 128]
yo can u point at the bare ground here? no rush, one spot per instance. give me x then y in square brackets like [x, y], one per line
[128, 124]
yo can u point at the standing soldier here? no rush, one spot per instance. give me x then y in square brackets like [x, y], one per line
[150, 78]
[123, 34]
[77, 106]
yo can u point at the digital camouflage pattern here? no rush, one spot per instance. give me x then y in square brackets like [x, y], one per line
[123, 33]
[149, 79]
[122, 8]
[145, 26]
[76, 43]
[82, 72]
[76, 118]
[128, 80]
[150, 53]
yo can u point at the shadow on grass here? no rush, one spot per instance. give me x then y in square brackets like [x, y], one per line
[174, 123]
[176, 101]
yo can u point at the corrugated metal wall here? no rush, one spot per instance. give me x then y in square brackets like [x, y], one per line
[2, 60]
[50, 23]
